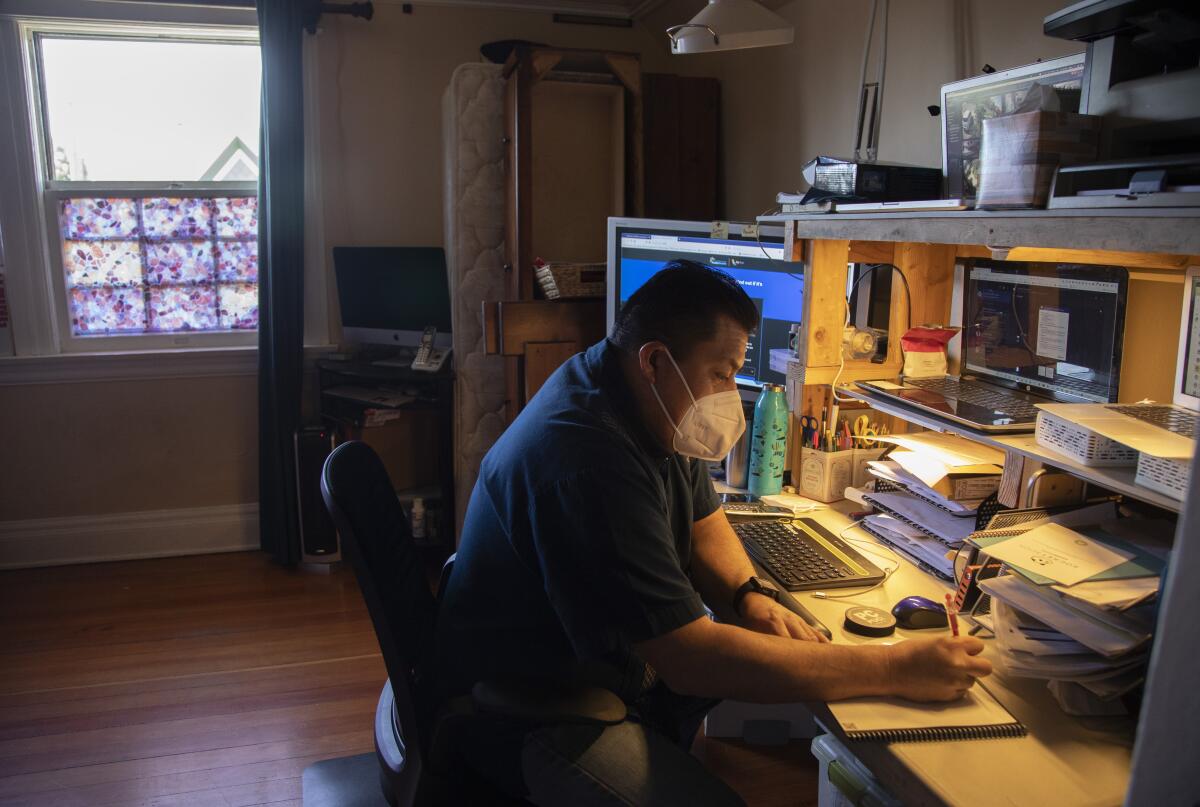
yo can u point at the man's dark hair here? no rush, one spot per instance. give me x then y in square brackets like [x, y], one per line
[680, 306]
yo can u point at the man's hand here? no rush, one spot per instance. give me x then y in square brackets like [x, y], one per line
[936, 669]
[763, 615]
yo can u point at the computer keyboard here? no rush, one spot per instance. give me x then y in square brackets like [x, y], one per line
[979, 394]
[803, 555]
[1173, 419]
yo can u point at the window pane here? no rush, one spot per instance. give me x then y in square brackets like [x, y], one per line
[239, 306]
[176, 218]
[107, 310]
[173, 262]
[237, 218]
[102, 263]
[99, 218]
[183, 308]
[161, 267]
[237, 260]
[143, 110]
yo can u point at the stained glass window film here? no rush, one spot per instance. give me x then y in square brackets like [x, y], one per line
[160, 264]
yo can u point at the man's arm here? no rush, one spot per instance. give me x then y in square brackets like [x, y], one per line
[720, 566]
[709, 659]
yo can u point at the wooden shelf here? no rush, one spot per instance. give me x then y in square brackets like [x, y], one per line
[1118, 480]
[1173, 230]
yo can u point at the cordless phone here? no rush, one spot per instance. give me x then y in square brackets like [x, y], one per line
[429, 359]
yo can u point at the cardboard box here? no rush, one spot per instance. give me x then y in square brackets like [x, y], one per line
[1020, 153]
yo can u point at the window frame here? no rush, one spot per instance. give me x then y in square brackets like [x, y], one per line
[52, 191]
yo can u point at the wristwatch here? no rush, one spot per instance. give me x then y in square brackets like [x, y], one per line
[755, 585]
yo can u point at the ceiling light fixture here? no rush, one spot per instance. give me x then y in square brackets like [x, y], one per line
[730, 25]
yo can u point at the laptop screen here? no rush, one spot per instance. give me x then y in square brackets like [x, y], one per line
[1048, 327]
[1190, 375]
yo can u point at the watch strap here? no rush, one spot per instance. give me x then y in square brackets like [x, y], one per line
[754, 585]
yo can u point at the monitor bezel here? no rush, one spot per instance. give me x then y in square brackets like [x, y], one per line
[1181, 398]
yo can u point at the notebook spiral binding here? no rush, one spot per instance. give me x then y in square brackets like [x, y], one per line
[938, 734]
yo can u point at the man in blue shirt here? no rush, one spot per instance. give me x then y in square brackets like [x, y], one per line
[592, 543]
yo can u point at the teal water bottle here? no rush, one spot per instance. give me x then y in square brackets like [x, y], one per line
[768, 441]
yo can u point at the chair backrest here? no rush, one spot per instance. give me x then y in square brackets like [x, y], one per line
[375, 536]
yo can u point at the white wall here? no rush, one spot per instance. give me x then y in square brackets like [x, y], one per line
[784, 105]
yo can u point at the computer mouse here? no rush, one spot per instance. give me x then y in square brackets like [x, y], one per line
[919, 613]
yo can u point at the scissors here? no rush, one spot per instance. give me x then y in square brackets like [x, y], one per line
[864, 432]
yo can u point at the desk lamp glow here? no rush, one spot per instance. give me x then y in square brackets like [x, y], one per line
[730, 25]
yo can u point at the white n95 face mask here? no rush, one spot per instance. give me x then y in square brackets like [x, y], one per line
[710, 426]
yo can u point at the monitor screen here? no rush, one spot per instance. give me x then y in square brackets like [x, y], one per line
[389, 295]
[641, 248]
[1054, 327]
[1189, 375]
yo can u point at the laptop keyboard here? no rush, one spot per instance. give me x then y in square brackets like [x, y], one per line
[979, 394]
[1170, 418]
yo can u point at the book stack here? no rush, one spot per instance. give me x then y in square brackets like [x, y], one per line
[1075, 606]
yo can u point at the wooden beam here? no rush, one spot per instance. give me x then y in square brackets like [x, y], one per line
[824, 303]
[1100, 257]
[627, 69]
[872, 252]
[929, 269]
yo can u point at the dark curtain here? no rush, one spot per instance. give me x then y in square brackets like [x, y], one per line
[281, 272]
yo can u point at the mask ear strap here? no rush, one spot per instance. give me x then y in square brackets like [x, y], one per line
[686, 386]
[663, 406]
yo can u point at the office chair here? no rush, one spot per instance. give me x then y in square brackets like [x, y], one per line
[413, 743]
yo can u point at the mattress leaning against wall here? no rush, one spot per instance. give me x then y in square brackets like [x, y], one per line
[473, 131]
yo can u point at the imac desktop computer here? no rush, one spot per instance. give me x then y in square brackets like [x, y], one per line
[391, 295]
[638, 248]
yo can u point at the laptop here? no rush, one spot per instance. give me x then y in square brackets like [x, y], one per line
[1033, 333]
[1161, 430]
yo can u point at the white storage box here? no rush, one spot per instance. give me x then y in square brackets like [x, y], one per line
[760, 723]
[1083, 445]
[1168, 477]
[844, 781]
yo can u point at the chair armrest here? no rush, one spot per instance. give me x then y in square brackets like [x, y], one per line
[542, 703]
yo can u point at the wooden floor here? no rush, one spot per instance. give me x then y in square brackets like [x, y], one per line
[216, 680]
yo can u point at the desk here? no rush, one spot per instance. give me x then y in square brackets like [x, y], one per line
[1061, 760]
[433, 397]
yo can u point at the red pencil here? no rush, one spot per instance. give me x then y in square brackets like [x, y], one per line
[951, 614]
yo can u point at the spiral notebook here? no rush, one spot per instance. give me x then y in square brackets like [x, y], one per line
[976, 716]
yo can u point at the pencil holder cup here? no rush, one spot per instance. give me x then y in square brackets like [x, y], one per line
[862, 474]
[825, 475]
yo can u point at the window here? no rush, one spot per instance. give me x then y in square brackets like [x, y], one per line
[147, 139]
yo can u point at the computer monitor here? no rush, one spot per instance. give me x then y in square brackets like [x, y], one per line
[1057, 328]
[638, 248]
[390, 295]
[1187, 373]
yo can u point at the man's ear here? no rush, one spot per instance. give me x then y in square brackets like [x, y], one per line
[650, 360]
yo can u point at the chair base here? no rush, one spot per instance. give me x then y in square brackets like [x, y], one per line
[344, 782]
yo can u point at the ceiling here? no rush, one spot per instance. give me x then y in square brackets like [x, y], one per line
[621, 9]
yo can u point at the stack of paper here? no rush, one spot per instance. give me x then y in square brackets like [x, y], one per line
[928, 553]
[927, 517]
[1074, 605]
[950, 466]
[895, 474]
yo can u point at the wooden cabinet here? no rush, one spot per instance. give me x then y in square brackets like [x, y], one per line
[573, 138]
[681, 123]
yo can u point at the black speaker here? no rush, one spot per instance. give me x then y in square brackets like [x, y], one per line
[318, 536]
